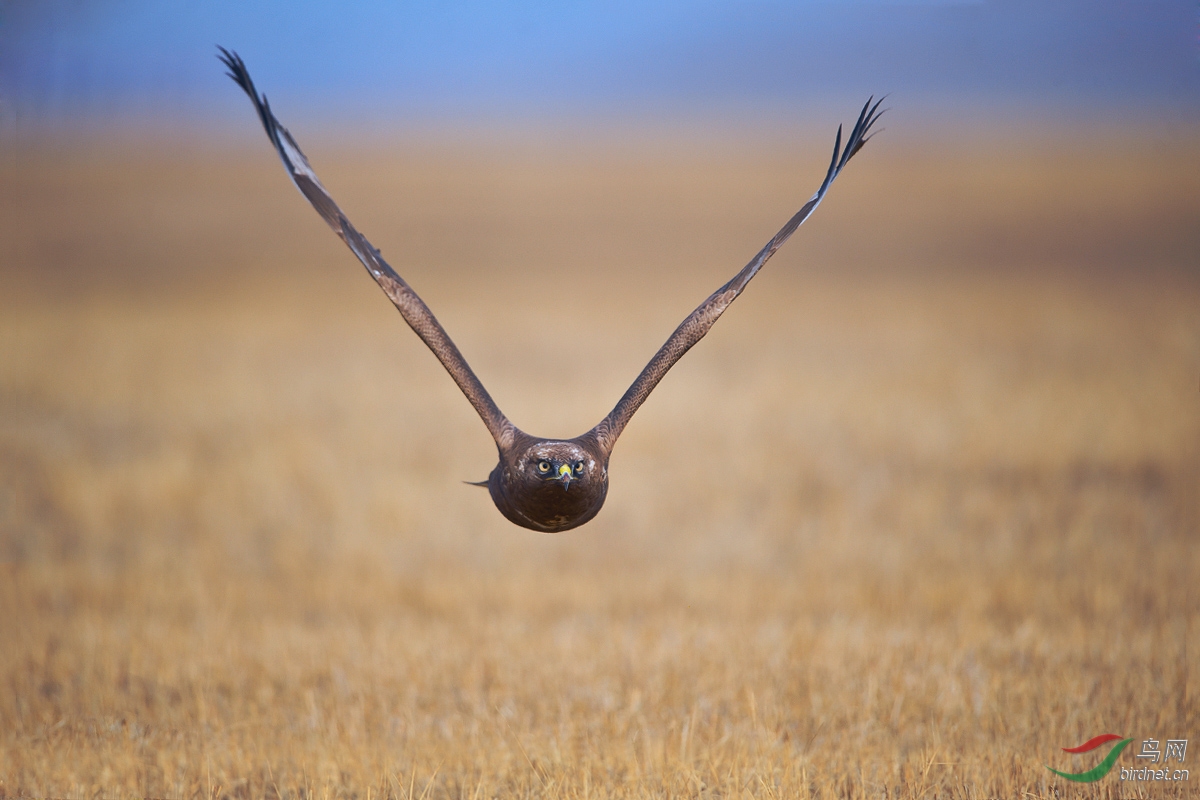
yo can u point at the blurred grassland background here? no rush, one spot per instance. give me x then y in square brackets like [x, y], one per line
[921, 510]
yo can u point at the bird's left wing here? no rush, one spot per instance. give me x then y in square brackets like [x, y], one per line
[411, 307]
[698, 323]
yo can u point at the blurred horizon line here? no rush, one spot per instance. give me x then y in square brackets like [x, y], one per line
[922, 121]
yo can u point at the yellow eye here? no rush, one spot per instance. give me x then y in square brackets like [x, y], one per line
[578, 467]
[543, 466]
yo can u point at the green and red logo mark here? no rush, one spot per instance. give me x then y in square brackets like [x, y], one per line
[1100, 770]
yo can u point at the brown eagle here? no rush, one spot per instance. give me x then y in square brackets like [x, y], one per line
[542, 484]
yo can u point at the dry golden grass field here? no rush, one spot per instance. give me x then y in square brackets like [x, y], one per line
[919, 512]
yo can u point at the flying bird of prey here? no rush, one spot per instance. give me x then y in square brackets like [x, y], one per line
[546, 485]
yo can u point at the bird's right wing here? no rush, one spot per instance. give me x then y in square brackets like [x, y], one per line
[698, 323]
[411, 307]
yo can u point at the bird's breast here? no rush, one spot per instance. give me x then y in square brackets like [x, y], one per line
[543, 505]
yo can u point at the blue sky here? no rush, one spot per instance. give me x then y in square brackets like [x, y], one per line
[81, 59]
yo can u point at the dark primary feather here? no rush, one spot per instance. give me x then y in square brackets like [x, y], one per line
[411, 307]
[698, 323]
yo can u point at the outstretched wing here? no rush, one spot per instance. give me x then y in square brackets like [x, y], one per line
[411, 307]
[706, 314]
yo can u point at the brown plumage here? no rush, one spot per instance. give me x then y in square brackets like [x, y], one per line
[544, 484]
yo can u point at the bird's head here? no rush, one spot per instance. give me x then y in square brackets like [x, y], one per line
[549, 485]
[559, 463]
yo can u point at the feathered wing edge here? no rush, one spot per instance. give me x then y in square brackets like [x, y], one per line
[698, 323]
[411, 307]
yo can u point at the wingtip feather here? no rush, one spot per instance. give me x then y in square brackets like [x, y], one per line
[237, 70]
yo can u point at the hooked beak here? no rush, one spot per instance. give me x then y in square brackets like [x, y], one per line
[564, 475]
